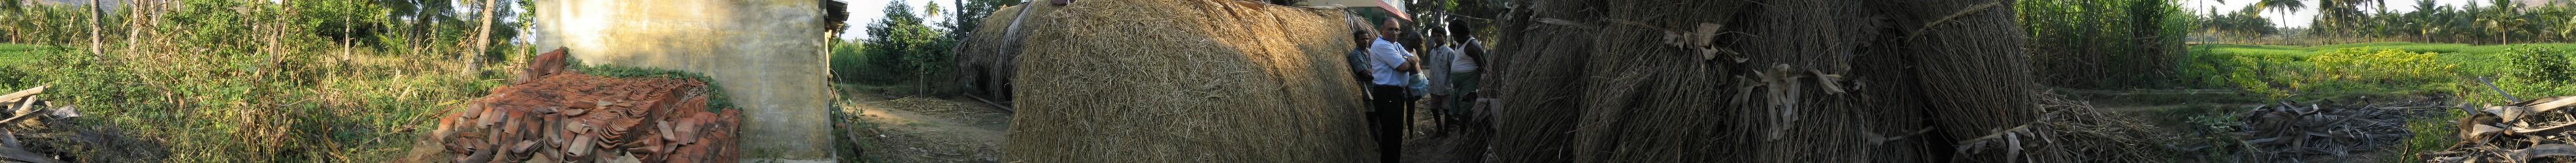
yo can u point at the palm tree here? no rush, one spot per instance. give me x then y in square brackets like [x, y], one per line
[2344, 15]
[2425, 21]
[2285, 6]
[2501, 20]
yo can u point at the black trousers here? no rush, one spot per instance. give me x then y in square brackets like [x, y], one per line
[1390, 119]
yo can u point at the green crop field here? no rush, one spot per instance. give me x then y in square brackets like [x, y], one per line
[20, 54]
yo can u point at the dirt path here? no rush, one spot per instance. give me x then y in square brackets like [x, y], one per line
[1424, 142]
[914, 129]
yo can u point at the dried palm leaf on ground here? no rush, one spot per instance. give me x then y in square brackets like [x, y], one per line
[2526, 131]
[2070, 131]
[2288, 132]
[24, 105]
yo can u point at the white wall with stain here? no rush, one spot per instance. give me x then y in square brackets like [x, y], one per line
[766, 54]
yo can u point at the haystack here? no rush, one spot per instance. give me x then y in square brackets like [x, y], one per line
[1187, 81]
[988, 57]
[1768, 81]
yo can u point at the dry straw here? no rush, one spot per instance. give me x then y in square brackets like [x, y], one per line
[1186, 81]
[989, 56]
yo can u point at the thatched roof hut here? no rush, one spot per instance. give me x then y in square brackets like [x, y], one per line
[1187, 81]
[986, 60]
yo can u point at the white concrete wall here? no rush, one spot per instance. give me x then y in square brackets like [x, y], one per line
[766, 54]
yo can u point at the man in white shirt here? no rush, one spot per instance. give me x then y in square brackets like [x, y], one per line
[1391, 69]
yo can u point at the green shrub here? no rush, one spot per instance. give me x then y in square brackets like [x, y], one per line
[2385, 66]
[2539, 65]
[2333, 73]
[243, 81]
[2528, 72]
[2432, 133]
[854, 63]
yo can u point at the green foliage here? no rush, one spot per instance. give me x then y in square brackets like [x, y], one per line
[246, 81]
[45, 24]
[2209, 128]
[21, 54]
[2533, 72]
[2495, 63]
[2385, 66]
[2539, 65]
[2432, 133]
[2497, 23]
[911, 50]
[972, 14]
[2104, 44]
[2336, 72]
[850, 63]
[2247, 23]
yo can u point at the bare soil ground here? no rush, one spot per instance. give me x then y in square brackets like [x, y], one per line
[2152, 105]
[1425, 143]
[919, 129]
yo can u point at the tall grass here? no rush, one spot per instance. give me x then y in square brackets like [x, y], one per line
[2104, 44]
[245, 81]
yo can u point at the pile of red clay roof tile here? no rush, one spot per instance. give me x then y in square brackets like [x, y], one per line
[560, 115]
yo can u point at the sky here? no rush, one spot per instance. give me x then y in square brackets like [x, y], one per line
[863, 12]
[2302, 17]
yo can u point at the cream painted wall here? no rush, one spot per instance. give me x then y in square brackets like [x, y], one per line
[763, 53]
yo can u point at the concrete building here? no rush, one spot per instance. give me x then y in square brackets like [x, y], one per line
[765, 53]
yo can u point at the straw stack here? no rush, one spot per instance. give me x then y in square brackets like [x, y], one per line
[1187, 81]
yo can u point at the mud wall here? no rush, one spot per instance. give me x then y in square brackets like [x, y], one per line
[766, 54]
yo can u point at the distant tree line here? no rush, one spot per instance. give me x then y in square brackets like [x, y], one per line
[2496, 22]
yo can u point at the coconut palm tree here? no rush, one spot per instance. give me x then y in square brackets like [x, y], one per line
[2285, 6]
[2344, 16]
[2501, 20]
[2425, 21]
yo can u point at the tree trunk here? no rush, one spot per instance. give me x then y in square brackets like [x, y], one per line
[1789, 81]
[95, 44]
[482, 42]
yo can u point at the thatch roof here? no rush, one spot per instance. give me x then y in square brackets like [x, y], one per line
[987, 59]
[1187, 81]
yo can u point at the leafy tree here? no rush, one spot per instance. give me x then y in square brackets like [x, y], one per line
[902, 43]
[2342, 16]
[971, 14]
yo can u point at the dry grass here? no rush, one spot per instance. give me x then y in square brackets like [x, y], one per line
[1187, 81]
